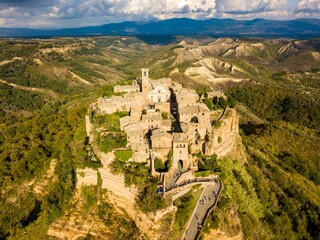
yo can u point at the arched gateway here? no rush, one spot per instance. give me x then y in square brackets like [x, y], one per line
[180, 151]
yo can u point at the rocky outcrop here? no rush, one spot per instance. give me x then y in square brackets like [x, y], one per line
[224, 135]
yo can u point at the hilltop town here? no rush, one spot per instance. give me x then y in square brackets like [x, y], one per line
[166, 119]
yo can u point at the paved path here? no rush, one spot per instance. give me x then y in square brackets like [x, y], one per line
[206, 202]
[221, 115]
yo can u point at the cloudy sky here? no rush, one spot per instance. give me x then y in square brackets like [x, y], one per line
[75, 13]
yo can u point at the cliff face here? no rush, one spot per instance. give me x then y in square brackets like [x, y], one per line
[223, 136]
[113, 193]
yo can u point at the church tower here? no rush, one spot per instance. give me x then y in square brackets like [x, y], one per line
[145, 87]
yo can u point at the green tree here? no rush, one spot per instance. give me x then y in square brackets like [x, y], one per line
[222, 103]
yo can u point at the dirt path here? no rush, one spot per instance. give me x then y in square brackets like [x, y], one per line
[32, 89]
[79, 79]
[40, 186]
[9, 61]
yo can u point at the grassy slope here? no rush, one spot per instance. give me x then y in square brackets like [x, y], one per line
[283, 159]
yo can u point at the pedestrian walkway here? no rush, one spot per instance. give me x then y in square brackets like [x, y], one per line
[207, 201]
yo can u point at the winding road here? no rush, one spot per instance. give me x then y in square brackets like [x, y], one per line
[211, 190]
[206, 203]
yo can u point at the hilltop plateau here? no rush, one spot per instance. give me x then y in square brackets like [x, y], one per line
[270, 175]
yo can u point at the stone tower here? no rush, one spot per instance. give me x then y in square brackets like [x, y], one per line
[180, 151]
[145, 87]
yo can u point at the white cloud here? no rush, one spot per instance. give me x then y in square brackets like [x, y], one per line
[134, 7]
[308, 6]
[249, 6]
[11, 12]
[274, 14]
[75, 13]
[89, 12]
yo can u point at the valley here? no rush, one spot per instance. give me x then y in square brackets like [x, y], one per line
[61, 181]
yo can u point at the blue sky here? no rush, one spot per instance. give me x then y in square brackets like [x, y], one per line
[76, 13]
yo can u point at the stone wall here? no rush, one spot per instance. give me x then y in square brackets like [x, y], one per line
[163, 107]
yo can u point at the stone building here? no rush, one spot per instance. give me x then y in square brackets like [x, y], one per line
[145, 85]
[162, 106]
[181, 158]
[186, 97]
[159, 94]
[137, 142]
[127, 88]
[152, 120]
[125, 102]
[196, 119]
[161, 143]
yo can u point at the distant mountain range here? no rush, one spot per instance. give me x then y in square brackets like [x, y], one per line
[298, 28]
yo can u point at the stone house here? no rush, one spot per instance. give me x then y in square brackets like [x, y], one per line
[162, 106]
[161, 143]
[196, 119]
[137, 142]
[125, 102]
[152, 120]
[140, 152]
[135, 133]
[127, 88]
[186, 97]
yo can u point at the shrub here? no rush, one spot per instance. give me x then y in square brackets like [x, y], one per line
[159, 166]
[217, 124]
[112, 141]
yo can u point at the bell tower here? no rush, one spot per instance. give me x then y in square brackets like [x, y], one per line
[145, 80]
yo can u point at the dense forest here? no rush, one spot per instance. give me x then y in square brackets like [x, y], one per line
[276, 189]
